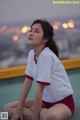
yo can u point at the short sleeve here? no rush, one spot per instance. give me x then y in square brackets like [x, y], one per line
[28, 71]
[44, 70]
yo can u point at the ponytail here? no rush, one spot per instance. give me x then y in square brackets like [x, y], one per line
[53, 47]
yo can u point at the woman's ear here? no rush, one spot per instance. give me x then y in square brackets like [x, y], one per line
[45, 40]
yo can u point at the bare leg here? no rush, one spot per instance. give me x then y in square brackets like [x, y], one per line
[11, 107]
[27, 113]
[57, 112]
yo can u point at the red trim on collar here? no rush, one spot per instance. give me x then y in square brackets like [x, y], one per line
[35, 55]
[35, 59]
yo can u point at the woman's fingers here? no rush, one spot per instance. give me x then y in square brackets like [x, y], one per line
[17, 114]
[21, 117]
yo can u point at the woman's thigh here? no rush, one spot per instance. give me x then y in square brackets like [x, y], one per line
[7, 106]
[28, 103]
[57, 112]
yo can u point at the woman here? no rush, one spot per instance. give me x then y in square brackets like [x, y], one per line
[54, 95]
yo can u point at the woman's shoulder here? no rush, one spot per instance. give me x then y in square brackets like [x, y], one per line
[48, 53]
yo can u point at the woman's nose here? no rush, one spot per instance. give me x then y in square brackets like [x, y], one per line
[31, 33]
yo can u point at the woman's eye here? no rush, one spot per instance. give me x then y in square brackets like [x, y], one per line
[37, 31]
[33, 31]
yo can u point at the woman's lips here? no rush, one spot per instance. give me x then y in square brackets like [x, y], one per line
[30, 38]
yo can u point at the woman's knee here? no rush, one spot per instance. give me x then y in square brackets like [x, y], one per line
[5, 107]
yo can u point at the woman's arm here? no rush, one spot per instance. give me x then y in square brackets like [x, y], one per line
[19, 111]
[38, 100]
[25, 90]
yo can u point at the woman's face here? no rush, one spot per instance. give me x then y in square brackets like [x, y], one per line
[35, 35]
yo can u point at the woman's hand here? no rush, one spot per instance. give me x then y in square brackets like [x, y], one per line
[17, 114]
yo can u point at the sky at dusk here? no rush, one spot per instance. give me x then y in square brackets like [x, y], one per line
[19, 10]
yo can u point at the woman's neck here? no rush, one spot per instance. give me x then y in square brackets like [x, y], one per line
[38, 49]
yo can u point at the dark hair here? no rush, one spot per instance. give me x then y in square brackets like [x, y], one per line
[48, 33]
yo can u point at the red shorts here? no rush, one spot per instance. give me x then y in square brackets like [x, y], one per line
[68, 101]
